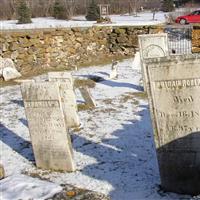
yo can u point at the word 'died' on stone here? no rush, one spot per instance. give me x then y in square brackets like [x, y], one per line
[87, 97]
[51, 144]
[152, 46]
[68, 97]
[174, 94]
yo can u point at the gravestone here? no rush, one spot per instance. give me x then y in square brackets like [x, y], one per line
[87, 97]
[50, 140]
[114, 69]
[152, 46]
[68, 97]
[174, 96]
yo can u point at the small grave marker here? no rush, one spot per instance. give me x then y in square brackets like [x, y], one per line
[87, 97]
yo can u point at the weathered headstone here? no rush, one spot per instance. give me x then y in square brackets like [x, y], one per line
[68, 97]
[87, 97]
[174, 94]
[50, 140]
[114, 68]
[152, 46]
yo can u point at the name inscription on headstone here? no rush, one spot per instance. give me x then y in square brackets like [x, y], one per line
[51, 145]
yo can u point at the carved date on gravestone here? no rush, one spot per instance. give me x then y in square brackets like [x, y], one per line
[174, 93]
[51, 144]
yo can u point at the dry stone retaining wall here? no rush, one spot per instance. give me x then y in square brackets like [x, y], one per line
[66, 47]
[196, 39]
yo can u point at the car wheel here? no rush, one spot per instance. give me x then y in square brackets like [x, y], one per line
[183, 21]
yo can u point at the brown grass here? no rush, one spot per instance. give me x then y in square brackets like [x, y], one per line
[133, 96]
[29, 73]
[84, 82]
[82, 107]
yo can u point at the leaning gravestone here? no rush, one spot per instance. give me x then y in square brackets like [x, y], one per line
[68, 97]
[174, 94]
[50, 141]
[87, 97]
[152, 46]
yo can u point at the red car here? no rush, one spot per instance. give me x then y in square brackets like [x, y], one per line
[193, 17]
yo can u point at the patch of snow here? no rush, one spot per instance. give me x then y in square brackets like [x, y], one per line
[80, 21]
[24, 187]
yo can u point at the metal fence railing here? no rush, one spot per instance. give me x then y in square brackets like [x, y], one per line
[179, 39]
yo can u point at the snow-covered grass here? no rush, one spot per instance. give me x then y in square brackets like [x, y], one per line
[80, 21]
[114, 152]
[24, 187]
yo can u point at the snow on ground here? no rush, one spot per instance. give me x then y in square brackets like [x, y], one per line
[80, 21]
[24, 187]
[114, 152]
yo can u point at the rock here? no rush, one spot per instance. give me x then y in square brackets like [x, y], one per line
[72, 193]
[8, 70]
[9, 73]
[7, 62]
[2, 172]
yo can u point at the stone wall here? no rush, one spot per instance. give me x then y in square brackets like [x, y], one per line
[196, 39]
[65, 48]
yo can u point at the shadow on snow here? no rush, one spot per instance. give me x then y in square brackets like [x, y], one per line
[127, 161]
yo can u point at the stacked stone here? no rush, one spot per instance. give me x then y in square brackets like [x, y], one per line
[196, 40]
[68, 47]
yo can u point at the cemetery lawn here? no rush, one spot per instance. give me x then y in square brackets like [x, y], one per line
[114, 149]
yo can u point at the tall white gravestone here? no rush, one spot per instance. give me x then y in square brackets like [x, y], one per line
[174, 94]
[50, 140]
[68, 97]
[152, 46]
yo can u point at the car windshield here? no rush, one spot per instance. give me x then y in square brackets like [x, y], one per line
[195, 12]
